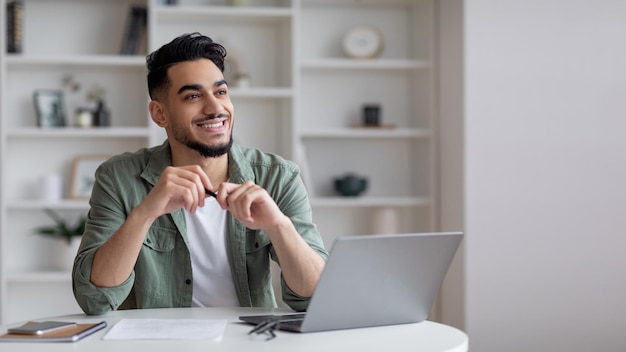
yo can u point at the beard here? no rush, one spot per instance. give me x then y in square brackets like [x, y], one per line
[208, 151]
[183, 136]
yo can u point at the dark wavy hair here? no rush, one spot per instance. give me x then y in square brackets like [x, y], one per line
[187, 47]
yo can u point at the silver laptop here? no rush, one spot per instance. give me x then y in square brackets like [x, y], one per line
[374, 280]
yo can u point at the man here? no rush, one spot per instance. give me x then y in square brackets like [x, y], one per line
[154, 236]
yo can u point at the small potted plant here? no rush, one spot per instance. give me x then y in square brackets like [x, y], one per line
[62, 230]
[68, 234]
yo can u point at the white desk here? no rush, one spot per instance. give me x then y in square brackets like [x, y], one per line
[425, 336]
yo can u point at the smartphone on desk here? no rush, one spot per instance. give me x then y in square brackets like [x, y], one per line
[40, 328]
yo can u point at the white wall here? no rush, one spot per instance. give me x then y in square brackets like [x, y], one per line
[545, 165]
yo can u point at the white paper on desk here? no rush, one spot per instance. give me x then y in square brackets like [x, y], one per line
[166, 329]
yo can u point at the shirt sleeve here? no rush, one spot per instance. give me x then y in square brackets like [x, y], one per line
[105, 216]
[293, 200]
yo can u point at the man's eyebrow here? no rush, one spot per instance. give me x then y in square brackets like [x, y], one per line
[199, 86]
[189, 87]
[220, 83]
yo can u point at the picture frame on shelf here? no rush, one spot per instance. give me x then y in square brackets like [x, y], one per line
[82, 176]
[49, 107]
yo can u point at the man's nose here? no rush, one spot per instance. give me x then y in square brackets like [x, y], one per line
[212, 106]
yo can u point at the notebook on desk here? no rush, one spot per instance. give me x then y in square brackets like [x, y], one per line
[374, 280]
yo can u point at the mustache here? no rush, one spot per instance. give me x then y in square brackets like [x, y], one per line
[211, 117]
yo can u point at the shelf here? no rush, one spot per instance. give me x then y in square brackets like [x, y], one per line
[374, 64]
[350, 202]
[367, 133]
[39, 276]
[76, 60]
[36, 204]
[75, 132]
[238, 13]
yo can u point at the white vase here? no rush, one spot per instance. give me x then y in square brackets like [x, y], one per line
[52, 187]
[384, 221]
[66, 252]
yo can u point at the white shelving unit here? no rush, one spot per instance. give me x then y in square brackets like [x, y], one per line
[303, 93]
[398, 162]
[65, 37]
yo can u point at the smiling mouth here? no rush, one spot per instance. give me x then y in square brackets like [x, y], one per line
[212, 124]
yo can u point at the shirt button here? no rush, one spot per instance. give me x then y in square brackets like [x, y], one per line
[188, 281]
[256, 244]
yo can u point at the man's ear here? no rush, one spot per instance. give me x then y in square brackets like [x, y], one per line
[157, 112]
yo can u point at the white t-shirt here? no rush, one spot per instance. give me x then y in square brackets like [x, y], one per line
[212, 279]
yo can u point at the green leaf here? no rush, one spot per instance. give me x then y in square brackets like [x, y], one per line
[62, 229]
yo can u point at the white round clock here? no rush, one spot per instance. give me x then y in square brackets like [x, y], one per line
[363, 42]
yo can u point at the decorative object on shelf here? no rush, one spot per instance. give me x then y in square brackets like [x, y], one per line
[72, 90]
[363, 42]
[83, 175]
[371, 115]
[135, 31]
[66, 254]
[70, 236]
[69, 82]
[384, 221]
[52, 187]
[242, 80]
[350, 185]
[90, 113]
[101, 113]
[49, 108]
[84, 117]
[15, 26]
[235, 71]
[62, 230]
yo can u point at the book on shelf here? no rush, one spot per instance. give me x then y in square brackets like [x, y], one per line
[15, 26]
[135, 31]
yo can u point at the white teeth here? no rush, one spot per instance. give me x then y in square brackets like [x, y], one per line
[212, 125]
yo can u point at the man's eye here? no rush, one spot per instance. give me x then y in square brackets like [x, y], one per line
[192, 96]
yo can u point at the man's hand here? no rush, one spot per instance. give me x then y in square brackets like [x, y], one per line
[251, 205]
[178, 187]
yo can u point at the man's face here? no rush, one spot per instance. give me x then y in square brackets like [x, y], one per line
[199, 108]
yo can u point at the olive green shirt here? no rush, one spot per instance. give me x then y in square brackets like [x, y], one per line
[162, 276]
